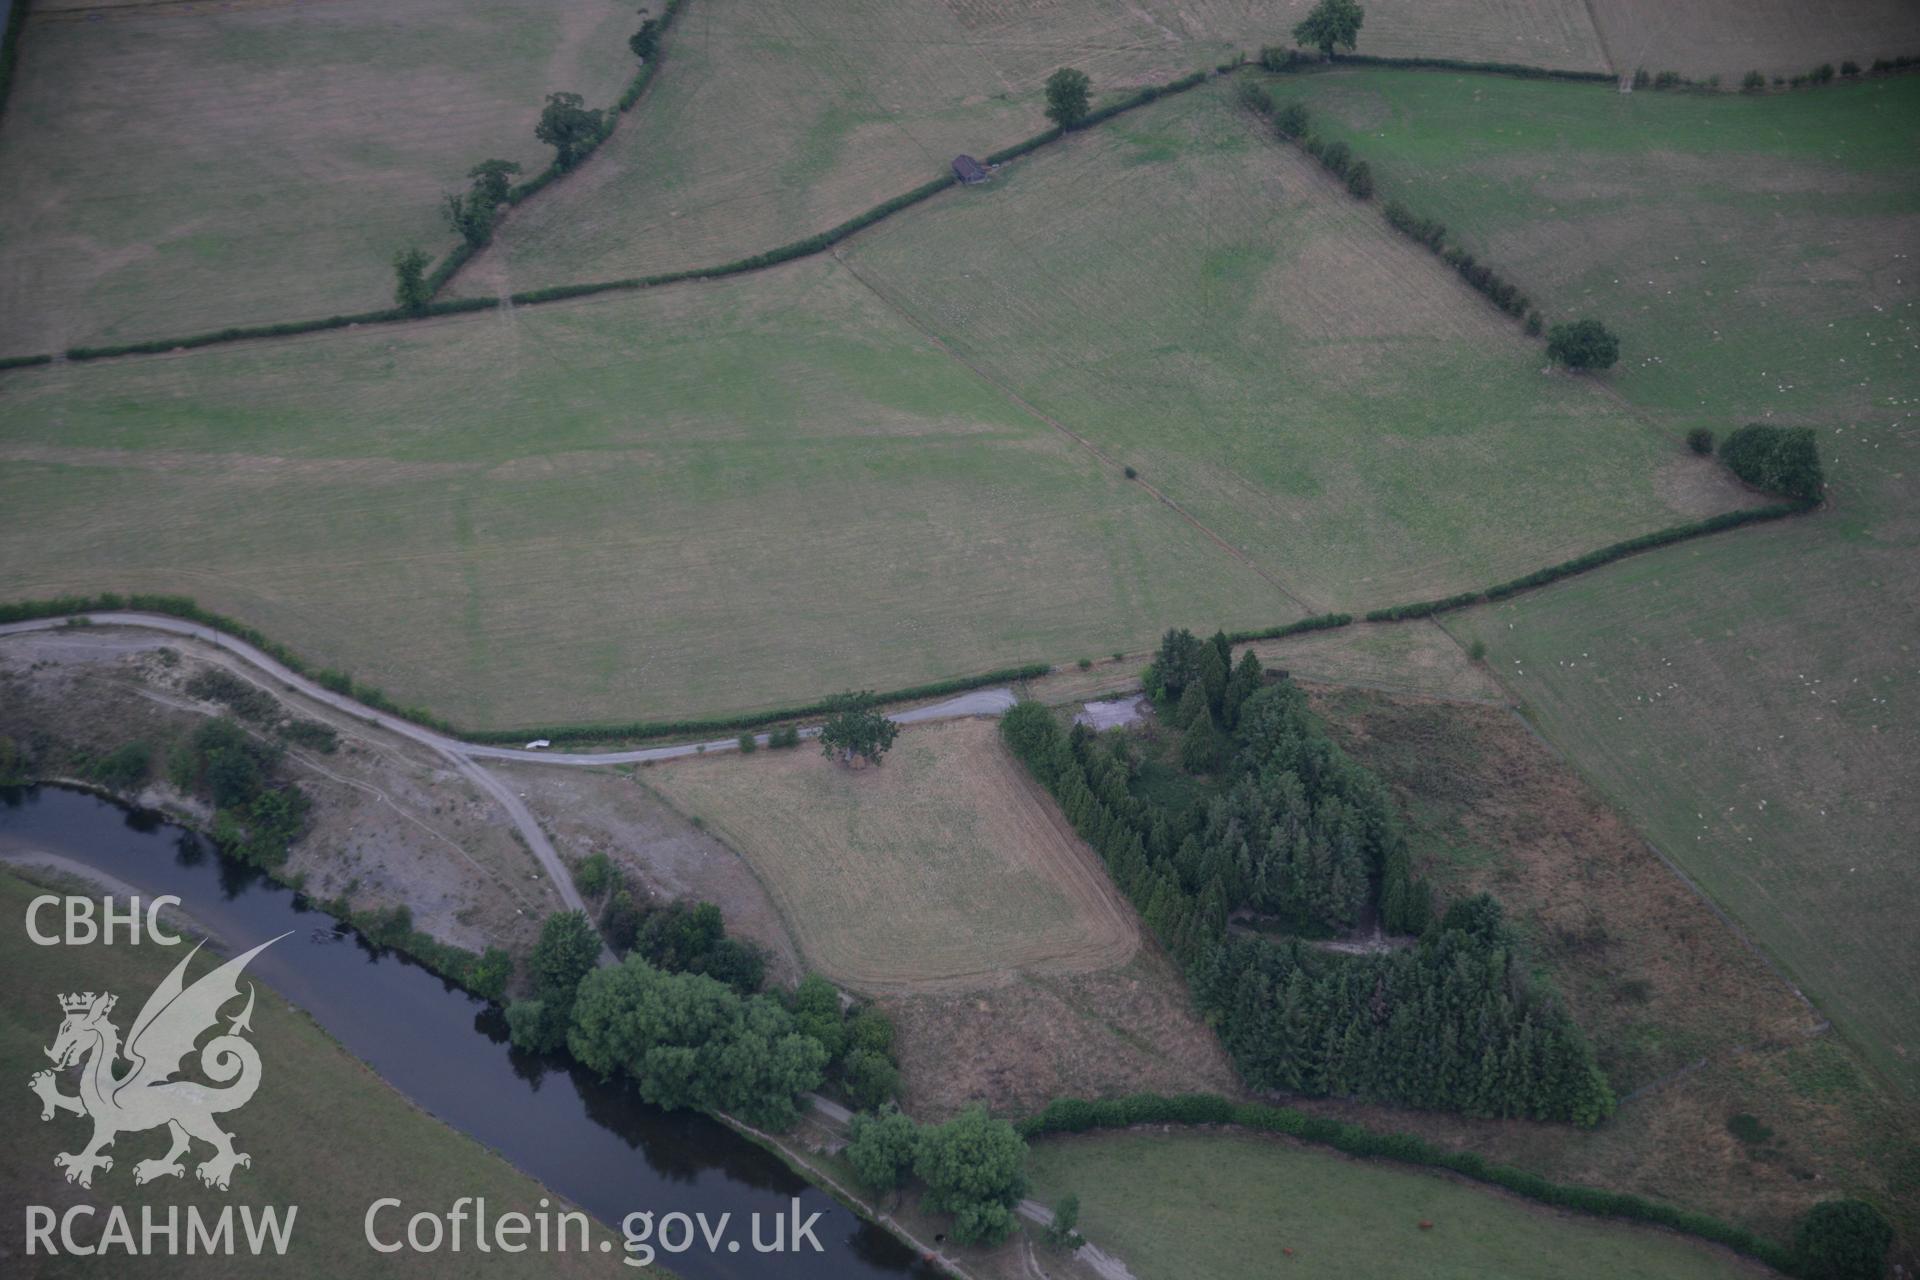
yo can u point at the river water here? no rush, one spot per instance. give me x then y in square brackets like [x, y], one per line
[595, 1144]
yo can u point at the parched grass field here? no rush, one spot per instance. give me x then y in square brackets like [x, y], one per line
[1752, 703]
[775, 119]
[1729, 38]
[686, 502]
[1204, 304]
[323, 1137]
[173, 168]
[1232, 1205]
[1755, 254]
[944, 868]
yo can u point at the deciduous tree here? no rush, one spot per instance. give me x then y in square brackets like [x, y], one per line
[855, 728]
[646, 41]
[568, 127]
[881, 1148]
[410, 290]
[1331, 23]
[1583, 344]
[975, 1169]
[1067, 97]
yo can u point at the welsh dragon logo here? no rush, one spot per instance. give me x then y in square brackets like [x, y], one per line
[144, 1095]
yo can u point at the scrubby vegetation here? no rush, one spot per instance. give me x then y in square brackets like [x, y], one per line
[1843, 1240]
[256, 813]
[261, 709]
[1266, 818]
[681, 936]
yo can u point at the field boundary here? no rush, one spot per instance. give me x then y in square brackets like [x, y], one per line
[76, 607]
[1593, 560]
[805, 247]
[442, 275]
[10, 49]
[1196, 1110]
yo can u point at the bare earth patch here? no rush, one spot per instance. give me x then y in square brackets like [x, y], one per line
[1019, 1045]
[604, 811]
[391, 825]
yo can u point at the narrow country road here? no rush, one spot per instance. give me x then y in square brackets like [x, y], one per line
[465, 756]
[1099, 1260]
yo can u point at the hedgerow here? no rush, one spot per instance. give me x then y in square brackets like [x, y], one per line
[23, 362]
[751, 720]
[817, 243]
[1424, 608]
[187, 609]
[240, 333]
[1319, 622]
[1522, 70]
[10, 48]
[624, 103]
[1339, 160]
[1430, 232]
[458, 257]
[1591, 560]
[1075, 1115]
[1283, 60]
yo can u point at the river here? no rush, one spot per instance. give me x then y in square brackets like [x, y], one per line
[595, 1144]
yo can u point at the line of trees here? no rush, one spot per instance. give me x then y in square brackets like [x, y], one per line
[1292, 122]
[1452, 1022]
[567, 125]
[667, 1020]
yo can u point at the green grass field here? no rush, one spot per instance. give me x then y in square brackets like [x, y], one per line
[176, 168]
[1205, 305]
[1751, 702]
[1228, 1205]
[1753, 253]
[691, 501]
[774, 119]
[323, 1137]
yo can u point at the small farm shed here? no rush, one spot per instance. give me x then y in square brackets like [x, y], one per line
[968, 170]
